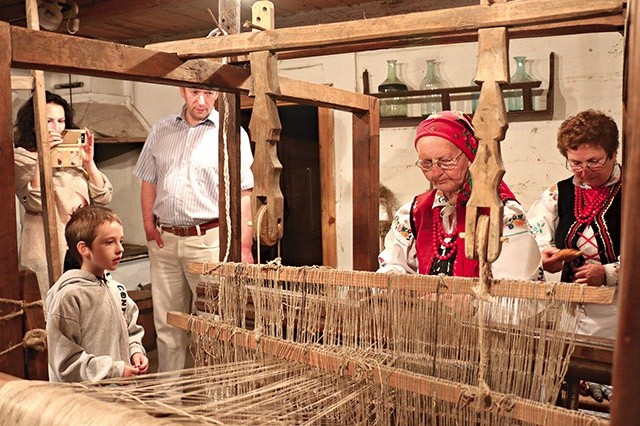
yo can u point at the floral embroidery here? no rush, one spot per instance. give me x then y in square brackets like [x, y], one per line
[402, 231]
[516, 221]
[537, 228]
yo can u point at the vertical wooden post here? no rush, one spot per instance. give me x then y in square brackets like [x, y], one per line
[54, 262]
[626, 363]
[11, 362]
[229, 108]
[366, 188]
[326, 144]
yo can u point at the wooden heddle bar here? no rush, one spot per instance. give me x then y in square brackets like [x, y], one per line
[534, 290]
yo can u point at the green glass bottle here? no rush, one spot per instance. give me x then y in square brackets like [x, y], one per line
[431, 103]
[515, 100]
[396, 106]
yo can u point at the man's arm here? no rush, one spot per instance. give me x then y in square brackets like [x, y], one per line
[148, 198]
[246, 231]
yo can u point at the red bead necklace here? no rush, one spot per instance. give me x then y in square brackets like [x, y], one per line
[588, 203]
[439, 238]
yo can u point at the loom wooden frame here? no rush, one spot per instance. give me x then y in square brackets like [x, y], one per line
[445, 390]
[532, 290]
[52, 52]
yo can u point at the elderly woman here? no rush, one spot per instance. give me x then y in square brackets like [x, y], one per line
[425, 235]
[583, 212]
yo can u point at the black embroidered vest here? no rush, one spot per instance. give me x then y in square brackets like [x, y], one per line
[606, 225]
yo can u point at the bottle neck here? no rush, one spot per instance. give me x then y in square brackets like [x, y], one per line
[391, 70]
[431, 70]
[520, 73]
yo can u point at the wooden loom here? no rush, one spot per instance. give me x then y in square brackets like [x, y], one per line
[130, 72]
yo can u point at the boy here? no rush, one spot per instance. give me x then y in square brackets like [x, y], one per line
[91, 322]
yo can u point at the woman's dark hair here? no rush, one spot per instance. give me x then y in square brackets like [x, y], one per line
[25, 123]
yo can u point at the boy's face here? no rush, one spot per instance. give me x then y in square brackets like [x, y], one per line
[106, 250]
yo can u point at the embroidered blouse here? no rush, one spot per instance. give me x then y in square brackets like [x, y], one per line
[519, 257]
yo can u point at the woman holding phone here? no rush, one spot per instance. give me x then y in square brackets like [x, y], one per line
[73, 186]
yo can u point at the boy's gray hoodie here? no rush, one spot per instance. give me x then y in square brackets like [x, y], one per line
[91, 327]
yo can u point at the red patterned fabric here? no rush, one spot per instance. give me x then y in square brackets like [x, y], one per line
[453, 126]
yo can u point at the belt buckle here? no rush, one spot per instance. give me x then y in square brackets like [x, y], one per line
[183, 231]
[177, 230]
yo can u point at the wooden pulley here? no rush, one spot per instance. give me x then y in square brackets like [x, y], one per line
[267, 200]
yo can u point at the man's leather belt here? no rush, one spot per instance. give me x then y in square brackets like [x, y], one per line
[190, 231]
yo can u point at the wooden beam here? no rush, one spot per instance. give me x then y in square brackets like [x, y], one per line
[326, 146]
[57, 52]
[11, 362]
[522, 409]
[589, 25]
[45, 169]
[36, 363]
[229, 108]
[414, 25]
[626, 366]
[427, 283]
[366, 189]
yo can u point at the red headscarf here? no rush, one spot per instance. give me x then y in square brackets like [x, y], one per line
[453, 126]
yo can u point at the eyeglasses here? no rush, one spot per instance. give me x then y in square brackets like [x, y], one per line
[443, 164]
[593, 166]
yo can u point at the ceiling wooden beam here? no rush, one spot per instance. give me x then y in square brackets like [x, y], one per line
[590, 25]
[415, 25]
[75, 55]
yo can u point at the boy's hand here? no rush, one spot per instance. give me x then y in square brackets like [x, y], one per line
[141, 362]
[130, 371]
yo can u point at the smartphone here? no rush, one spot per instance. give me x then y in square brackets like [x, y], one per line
[73, 137]
[68, 153]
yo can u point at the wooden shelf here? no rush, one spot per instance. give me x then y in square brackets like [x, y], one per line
[527, 114]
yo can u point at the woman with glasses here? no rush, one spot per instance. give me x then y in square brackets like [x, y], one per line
[425, 234]
[583, 212]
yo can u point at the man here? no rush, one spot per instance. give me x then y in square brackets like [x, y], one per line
[178, 167]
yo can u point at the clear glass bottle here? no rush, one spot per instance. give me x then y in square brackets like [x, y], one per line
[431, 103]
[474, 97]
[397, 106]
[515, 101]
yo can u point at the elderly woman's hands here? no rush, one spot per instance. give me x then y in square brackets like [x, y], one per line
[591, 274]
[550, 263]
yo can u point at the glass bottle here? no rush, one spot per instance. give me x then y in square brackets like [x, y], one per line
[393, 107]
[474, 97]
[515, 100]
[431, 103]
